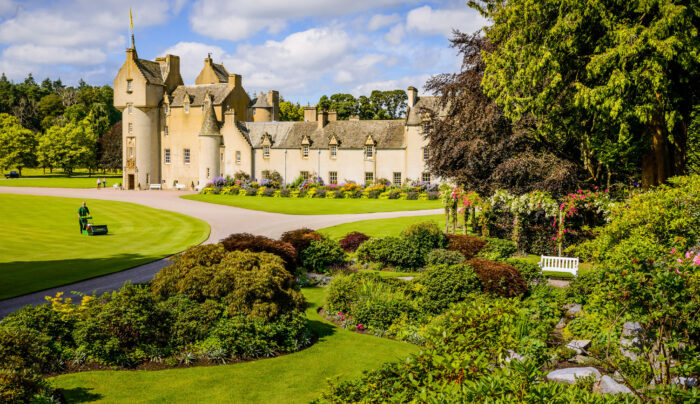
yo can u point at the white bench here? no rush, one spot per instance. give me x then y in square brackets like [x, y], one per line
[155, 186]
[559, 264]
[180, 187]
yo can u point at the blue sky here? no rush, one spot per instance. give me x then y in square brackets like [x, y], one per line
[302, 48]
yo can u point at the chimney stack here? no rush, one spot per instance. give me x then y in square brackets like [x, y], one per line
[412, 96]
[273, 98]
[332, 115]
[234, 80]
[309, 114]
[322, 119]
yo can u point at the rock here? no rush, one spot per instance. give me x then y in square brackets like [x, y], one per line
[608, 385]
[406, 278]
[512, 355]
[572, 309]
[570, 375]
[685, 381]
[319, 279]
[560, 325]
[579, 345]
[630, 339]
[582, 360]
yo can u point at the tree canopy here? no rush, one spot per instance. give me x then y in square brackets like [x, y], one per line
[379, 105]
[17, 144]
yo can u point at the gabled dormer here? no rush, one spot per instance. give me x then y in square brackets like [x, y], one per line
[266, 145]
[212, 73]
[370, 148]
[305, 147]
[333, 144]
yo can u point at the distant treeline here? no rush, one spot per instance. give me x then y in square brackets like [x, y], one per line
[379, 105]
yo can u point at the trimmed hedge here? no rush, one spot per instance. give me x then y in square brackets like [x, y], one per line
[497, 249]
[320, 255]
[443, 285]
[391, 252]
[469, 246]
[444, 257]
[499, 278]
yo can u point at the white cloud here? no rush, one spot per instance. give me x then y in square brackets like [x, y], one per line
[54, 55]
[240, 19]
[380, 21]
[400, 83]
[442, 21]
[395, 34]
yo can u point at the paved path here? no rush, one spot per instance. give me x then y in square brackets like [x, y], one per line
[222, 219]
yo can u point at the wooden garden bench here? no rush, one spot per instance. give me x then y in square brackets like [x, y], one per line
[180, 187]
[559, 264]
[155, 186]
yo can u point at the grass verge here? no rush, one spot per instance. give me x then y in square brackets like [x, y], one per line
[42, 247]
[296, 378]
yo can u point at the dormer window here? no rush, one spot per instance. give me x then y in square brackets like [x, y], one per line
[130, 108]
[166, 109]
[369, 152]
[266, 152]
[305, 151]
[187, 107]
[334, 151]
[426, 153]
[129, 86]
[166, 132]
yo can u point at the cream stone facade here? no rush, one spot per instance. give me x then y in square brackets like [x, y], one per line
[180, 135]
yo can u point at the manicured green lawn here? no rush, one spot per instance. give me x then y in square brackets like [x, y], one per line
[41, 246]
[315, 206]
[35, 177]
[294, 378]
[381, 227]
[583, 267]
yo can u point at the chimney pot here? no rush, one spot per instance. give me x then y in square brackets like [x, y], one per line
[322, 119]
[412, 96]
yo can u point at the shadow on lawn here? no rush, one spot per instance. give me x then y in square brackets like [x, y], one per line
[24, 277]
[80, 395]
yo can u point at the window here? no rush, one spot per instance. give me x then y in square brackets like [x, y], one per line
[397, 179]
[187, 108]
[130, 108]
[369, 152]
[166, 131]
[186, 153]
[266, 152]
[131, 127]
[334, 151]
[222, 156]
[166, 156]
[426, 153]
[166, 109]
[208, 172]
[238, 157]
[369, 177]
[425, 177]
[333, 177]
[130, 152]
[305, 151]
[202, 107]
[129, 85]
[305, 175]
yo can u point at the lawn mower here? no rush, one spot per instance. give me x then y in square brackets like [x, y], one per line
[94, 229]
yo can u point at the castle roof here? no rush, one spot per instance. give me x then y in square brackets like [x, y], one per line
[221, 72]
[260, 102]
[198, 93]
[150, 70]
[210, 125]
[388, 134]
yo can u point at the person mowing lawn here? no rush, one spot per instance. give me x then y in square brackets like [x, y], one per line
[83, 213]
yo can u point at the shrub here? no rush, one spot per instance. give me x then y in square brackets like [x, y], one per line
[189, 320]
[469, 246]
[425, 236]
[18, 386]
[444, 257]
[22, 348]
[497, 249]
[168, 281]
[322, 254]
[300, 239]
[247, 241]
[391, 251]
[341, 294]
[499, 278]
[352, 241]
[531, 272]
[584, 284]
[441, 285]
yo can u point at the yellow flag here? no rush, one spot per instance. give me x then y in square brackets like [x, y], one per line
[131, 19]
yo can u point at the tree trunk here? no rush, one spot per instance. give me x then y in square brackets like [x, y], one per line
[659, 165]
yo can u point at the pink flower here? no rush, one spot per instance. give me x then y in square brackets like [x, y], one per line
[674, 251]
[687, 255]
[554, 238]
[678, 272]
[359, 327]
[680, 261]
[606, 190]
[696, 260]
[564, 230]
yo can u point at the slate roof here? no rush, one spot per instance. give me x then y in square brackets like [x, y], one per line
[150, 70]
[387, 134]
[221, 72]
[210, 126]
[260, 102]
[414, 115]
[198, 92]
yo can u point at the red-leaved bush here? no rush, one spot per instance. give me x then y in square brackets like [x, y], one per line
[247, 241]
[352, 241]
[300, 239]
[469, 246]
[499, 278]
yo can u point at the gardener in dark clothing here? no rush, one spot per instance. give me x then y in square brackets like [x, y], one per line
[83, 213]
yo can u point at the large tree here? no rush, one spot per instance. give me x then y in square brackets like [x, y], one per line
[110, 146]
[17, 144]
[473, 143]
[70, 146]
[619, 76]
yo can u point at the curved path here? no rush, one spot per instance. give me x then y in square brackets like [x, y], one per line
[222, 219]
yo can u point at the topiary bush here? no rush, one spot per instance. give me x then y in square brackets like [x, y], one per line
[300, 239]
[425, 236]
[469, 246]
[391, 252]
[499, 278]
[531, 272]
[441, 285]
[498, 249]
[444, 257]
[320, 255]
[352, 241]
[247, 241]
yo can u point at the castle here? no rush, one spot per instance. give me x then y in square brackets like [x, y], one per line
[177, 135]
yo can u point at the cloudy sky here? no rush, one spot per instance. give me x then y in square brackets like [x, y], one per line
[303, 48]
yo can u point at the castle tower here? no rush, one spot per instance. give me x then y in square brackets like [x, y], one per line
[209, 144]
[138, 90]
[262, 110]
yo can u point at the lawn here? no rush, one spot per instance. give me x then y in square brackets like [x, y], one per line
[381, 227]
[315, 206]
[294, 378]
[41, 246]
[35, 177]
